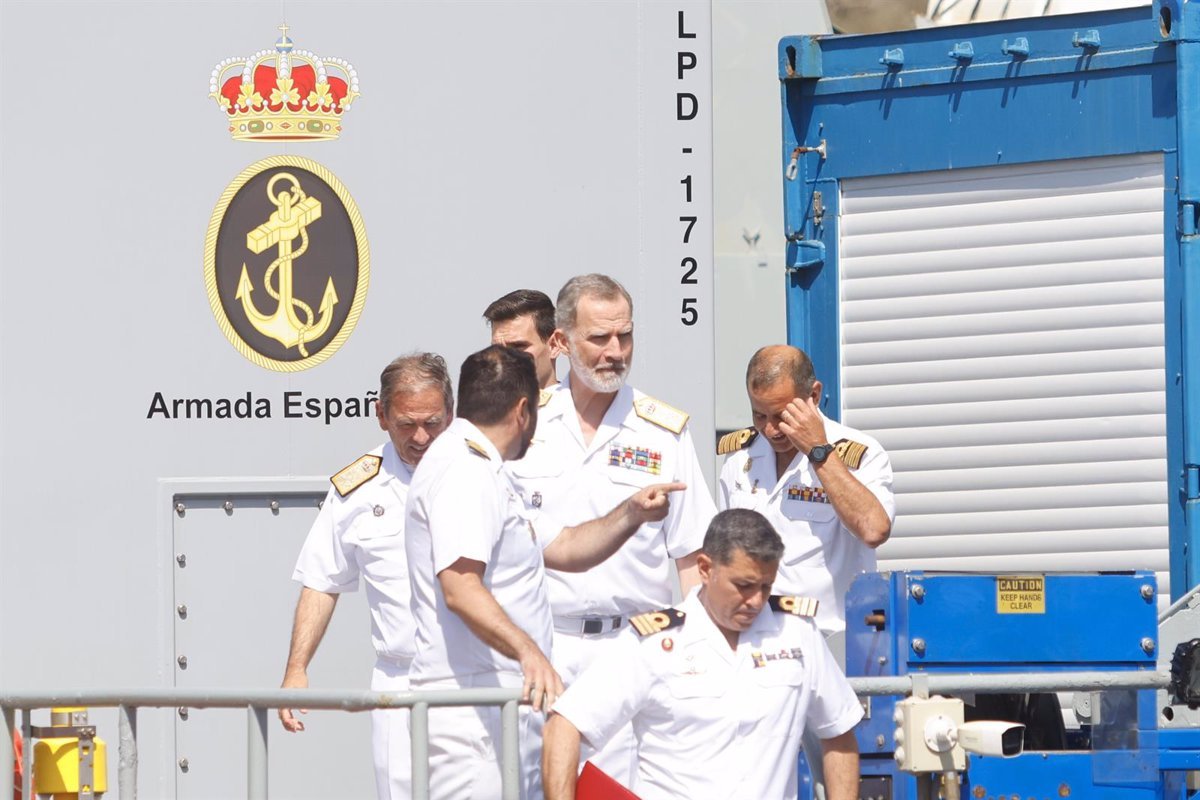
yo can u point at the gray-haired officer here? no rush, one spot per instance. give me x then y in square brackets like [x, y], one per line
[360, 533]
[599, 439]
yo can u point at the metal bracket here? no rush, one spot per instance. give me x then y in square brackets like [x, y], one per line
[1018, 49]
[804, 253]
[1188, 218]
[963, 51]
[818, 208]
[1089, 41]
[893, 57]
[1191, 481]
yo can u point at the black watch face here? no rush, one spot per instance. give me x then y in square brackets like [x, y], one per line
[820, 453]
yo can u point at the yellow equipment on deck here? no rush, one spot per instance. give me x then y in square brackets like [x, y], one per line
[69, 761]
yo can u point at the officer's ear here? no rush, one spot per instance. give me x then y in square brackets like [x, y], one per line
[815, 394]
[558, 343]
[381, 414]
[704, 565]
[521, 412]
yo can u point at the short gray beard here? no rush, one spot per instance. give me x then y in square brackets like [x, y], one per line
[599, 381]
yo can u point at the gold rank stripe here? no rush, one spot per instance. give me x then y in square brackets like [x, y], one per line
[356, 474]
[655, 621]
[791, 604]
[477, 449]
[661, 414]
[850, 452]
[544, 397]
[737, 440]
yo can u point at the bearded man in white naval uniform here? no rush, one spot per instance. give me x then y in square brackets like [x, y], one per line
[597, 441]
[359, 532]
[719, 689]
[477, 555]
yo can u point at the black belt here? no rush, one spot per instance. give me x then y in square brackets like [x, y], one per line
[588, 625]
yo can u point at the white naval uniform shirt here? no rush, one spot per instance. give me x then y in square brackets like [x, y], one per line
[463, 505]
[362, 534]
[575, 483]
[712, 722]
[821, 556]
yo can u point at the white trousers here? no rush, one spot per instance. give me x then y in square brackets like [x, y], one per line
[390, 743]
[572, 653]
[464, 747]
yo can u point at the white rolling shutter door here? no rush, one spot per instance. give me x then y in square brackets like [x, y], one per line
[1002, 336]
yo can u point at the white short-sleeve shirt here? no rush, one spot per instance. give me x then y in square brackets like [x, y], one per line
[712, 722]
[362, 535]
[821, 556]
[575, 483]
[463, 505]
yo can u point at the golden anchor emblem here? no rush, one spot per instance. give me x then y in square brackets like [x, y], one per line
[292, 324]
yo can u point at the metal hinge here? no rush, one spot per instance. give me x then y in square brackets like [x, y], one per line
[1191, 481]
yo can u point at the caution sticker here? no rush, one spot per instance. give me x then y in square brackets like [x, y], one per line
[1020, 594]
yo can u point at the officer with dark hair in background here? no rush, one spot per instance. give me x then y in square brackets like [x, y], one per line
[524, 319]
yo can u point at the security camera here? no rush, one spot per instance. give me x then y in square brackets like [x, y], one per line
[992, 738]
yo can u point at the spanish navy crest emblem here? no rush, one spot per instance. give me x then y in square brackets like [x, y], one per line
[286, 262]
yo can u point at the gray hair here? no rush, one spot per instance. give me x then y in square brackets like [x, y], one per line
[413, 372]
[773, 363]
[741, 530]
[594, 285]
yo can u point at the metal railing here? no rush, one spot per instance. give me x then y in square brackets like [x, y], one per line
[257, 703]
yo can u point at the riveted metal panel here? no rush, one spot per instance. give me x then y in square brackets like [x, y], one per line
[233, 602]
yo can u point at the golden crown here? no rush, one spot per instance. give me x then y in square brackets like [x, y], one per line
[284, 94]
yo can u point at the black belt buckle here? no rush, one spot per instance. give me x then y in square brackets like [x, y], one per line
[593, 626]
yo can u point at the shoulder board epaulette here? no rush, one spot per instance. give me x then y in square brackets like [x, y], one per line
[655, 621]
[356, 474]
[850, 452]
[790, 604]
[477, 449]
[544, 397]
[661, 414]
[737, 440]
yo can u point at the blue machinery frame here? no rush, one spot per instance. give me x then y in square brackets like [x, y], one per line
[1017, 91]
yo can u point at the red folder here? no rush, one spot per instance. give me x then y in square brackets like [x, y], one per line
[594, 784]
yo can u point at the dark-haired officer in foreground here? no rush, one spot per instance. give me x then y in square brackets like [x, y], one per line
[718, 690]
[477, 556]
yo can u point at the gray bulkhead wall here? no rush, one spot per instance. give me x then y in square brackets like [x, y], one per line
[495, 146]
[748, 251]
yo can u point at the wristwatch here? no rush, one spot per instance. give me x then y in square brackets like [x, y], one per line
[819, 453]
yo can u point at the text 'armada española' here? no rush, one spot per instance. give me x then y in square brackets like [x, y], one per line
[294, 405]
